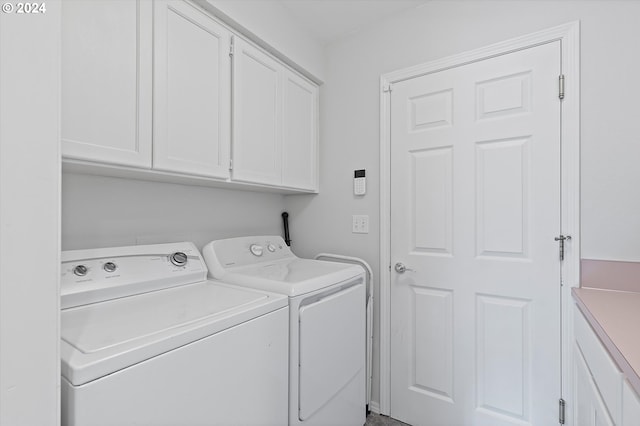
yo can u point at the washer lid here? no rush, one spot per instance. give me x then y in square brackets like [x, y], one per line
[293, 276]
[105, 337]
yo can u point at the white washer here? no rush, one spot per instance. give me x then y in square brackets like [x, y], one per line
[147, 340]
[327, 335]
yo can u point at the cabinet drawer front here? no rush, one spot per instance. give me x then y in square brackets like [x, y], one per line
[603, 369]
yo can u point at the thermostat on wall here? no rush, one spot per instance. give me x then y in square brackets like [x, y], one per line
[359, 182]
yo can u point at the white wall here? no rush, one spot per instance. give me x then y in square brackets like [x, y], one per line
[610, 142]
[29, 217]
[102, 211]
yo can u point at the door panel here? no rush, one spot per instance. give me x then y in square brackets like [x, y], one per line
[502, 327]
[475, 190]
[501, 168]
[435, 378]
[432, 178]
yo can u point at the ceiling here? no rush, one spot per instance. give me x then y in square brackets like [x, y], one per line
[331, 20]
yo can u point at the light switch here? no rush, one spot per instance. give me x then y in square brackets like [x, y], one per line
[360, 224]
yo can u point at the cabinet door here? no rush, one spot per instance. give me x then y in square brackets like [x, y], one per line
[191, 91]
[106, 81]
[300, 133]
[630, 406]
[257, 112]
[590, 409]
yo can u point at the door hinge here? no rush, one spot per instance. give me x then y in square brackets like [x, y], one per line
[230, 164]
[231, 49]
[561, 408]
[561, 239]
[386, 88]
[561, 86]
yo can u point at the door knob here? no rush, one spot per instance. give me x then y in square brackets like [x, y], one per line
[401, 269]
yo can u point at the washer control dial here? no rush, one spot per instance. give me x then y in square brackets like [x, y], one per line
[271, 248]
[110, 267]
[178, 258]
[256, 249]
[80, 270]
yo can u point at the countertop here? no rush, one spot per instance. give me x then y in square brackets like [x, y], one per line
[615, 317]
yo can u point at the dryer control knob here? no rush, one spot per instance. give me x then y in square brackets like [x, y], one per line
[271, 248]
[256, 249]
[110, 267]
[80, 270]
[178, 258]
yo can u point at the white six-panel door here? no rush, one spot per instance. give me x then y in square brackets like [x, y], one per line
[475, 207]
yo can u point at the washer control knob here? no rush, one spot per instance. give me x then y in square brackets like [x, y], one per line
[80, 270]
[256, 249]
[271, 248]
[178, 258]
[110, 267]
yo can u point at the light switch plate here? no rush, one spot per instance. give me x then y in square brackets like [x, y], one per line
[360, 224]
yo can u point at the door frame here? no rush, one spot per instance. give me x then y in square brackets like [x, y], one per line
[569, 37]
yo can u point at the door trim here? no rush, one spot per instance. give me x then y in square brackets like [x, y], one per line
[569, 37]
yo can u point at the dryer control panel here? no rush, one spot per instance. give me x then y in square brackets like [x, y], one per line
[96, 275]
[243, 251]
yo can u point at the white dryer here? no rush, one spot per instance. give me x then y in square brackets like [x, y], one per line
[327, 336]
[147, 340]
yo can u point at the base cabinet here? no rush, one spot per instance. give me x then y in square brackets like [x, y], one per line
[602, 396]
[630, 406]
[590, 409]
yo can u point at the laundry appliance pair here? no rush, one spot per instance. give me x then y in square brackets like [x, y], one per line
[267, 339]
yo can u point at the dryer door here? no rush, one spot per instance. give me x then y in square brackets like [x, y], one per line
[332, 350]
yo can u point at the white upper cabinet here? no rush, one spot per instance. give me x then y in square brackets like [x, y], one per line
[275, 119]
[257, 116]
[153, 89]
[192, 101]
[300, 133]
[107, 81]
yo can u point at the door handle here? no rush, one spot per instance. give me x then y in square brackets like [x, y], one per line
[401, 269]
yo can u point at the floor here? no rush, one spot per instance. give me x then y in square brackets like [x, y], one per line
[374, 419]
